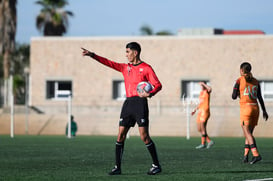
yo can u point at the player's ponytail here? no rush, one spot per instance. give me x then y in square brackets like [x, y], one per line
[246, 68]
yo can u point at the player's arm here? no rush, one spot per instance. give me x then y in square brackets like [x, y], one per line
[194, 110]
[104, 61]
[260, 98]
[235, 92]
[208, 88]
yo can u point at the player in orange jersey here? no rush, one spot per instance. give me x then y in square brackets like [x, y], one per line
[248, 89]
[203, 115]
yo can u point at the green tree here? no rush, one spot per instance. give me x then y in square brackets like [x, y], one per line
[147, 30]
[20, 61]
[163, 32]
[53, 19]
[20, 58]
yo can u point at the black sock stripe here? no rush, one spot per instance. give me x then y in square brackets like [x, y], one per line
[150, 144]
[119, 143]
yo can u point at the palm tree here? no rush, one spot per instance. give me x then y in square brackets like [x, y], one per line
[7, 37]
[147, 30]
[53, 20]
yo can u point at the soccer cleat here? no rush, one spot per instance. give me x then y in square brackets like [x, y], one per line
[115, 171]
[210, 144]
[256, 159]
[200, 146]
[245, 160]
[154, 170]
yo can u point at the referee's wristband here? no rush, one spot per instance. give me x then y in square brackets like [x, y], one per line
[151, 94]
[92, 54]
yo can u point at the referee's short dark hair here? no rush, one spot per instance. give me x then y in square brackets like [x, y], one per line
[134, 46]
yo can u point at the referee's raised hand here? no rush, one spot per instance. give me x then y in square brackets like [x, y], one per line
[86, 52]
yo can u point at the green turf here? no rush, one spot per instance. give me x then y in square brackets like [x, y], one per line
[92, 157]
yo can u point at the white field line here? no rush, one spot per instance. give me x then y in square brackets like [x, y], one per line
[263, 179]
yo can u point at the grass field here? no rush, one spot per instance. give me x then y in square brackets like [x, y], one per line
[92, 157]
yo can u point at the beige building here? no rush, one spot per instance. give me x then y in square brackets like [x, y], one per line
[180, 62]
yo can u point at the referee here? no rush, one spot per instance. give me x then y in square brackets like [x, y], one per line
[135, 108]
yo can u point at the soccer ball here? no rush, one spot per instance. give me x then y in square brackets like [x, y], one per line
[144, 86]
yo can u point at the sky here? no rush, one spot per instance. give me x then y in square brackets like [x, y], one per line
[126, 17]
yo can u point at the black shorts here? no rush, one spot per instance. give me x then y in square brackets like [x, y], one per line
[134, 109]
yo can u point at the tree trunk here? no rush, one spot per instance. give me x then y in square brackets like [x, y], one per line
[7, 35]
[6, 64]
[6, 70]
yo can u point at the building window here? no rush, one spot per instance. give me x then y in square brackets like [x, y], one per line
[190, 89]
[119, 92]
[58, 90]
[267, 89]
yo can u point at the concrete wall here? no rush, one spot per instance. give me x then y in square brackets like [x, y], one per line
[174, 58]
